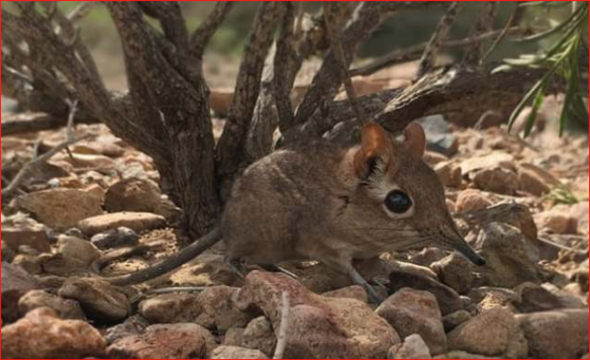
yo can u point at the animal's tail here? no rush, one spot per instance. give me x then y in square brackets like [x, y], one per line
[173, 262]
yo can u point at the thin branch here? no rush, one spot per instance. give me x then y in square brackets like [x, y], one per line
[81, 11]
[414, 52]
[9, 191]
[438, 37]
[283, 335]
[475, 53]
[512, 22]
[201, 37]
[334, 30]
[229, 154]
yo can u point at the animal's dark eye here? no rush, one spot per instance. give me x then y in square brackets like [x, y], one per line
[398, 202]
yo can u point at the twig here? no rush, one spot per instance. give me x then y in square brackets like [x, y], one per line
[81, 11]
[205, 32]
[26, 170]
[73, 108]
[439, 35]
[475, 53]
[510, 24]
[284, 328]
[414, 52]
[334, 30]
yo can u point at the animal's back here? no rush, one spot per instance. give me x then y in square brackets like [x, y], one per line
[279, 201]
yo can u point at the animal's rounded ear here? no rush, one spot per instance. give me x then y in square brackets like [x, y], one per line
[415, 140]
[375, 146]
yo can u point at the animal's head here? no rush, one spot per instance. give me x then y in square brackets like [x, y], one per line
[397, 200]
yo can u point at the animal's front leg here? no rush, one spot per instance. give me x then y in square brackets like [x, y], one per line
[357, 279]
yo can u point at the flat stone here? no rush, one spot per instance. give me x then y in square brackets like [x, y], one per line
[456, 272]
[64, 308]
[137, 222]
[472, 200]
[536, 181]
[171, 308]
[42, 335]
[100, 301]
[351, 292]
[413, 347]
[498, 180]
[61, 209]
[35, 237]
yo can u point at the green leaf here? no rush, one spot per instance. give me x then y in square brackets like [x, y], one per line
[530, 123]
[523, 103]
[570, 21]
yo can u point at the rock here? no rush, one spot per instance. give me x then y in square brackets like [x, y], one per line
[15, 283]
[432, 158]
[449, 174]
[535, 181]
[463, 355]
[218, 311]
[447, 298]
[89, 161]
[413, 347]
[426, 257]
[511, 258]
[233, 337]
[496, 159]
[471, 200]
[439, 136]
[455, 272]
[412, 311]
[233, 352]
[137, 222]
[61, 209]
[492, 333]
[77, 250]
[259, 335]
[320, 327]
[497, 180]
[535, 298]
[100, 301]
[451, 321]
[42, 335]
[7, 253]
[171, 308]
[351, 292]
[559, 334]
[177, 341]
[115, 238]
[33, 236]
[133, 326]
[64, 308]
[585, 356]
[139, 195]
[557, 220]
[581, 213]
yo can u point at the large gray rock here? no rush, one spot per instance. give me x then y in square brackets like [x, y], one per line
[320, 327]
[492, 333]
[100, 300]
[412, 311]
[42, 335]
[15, 284]
[561, 334]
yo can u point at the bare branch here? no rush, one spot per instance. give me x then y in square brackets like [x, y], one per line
[438, 37]
[229, 155]
[474, 54]
[366, 18]
[14, 185]
[331, 15]
[414, 52]
[283, 334]
[81, 11]
[35, 122]
[200, 38]
[169, 15]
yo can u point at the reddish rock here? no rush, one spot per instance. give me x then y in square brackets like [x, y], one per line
[137, 222]
[35, 237]
[471, 200]
[15, 284]
[42, 335]
[64, 308]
